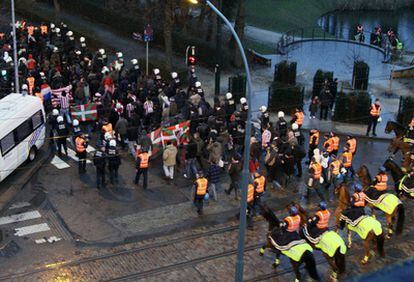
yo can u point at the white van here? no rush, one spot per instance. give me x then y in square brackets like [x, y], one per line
[22, 131]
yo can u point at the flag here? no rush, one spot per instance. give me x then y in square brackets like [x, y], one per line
[87, 112]
[57, 92]
[46, 92]
[178, 133]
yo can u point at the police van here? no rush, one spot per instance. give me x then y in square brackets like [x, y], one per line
[22, 131]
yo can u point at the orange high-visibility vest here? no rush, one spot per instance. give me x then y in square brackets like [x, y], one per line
[314, 135]
[250, 193]
[80, 144]
[382, 180]
[359, 199]
[347, 159]
[352, 145]
[31, 82]
[299, 118]
[375, 112]
[328, 145]
[335, 166]
[317, 170]
[293, 223]
[30, 30]
[202, 184]
[43, 29]
[324, 217]
[144, 160]
[335, 141]
[260, 184]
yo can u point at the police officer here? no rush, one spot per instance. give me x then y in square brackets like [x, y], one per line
[281, 124]
[99, 160]
[251, 202]
[229, 105]
[81, 144]
[141, 165]
[200, 191]
[62, 132]
[264, 117]
[298, 134]
[114, 161]
[259, 183]
[52, 120]
[292, 222]
[76, 130]
[320, 220]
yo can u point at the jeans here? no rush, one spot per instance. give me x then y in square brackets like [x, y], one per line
[212, 190]
[372, 124]
[143, 171]
[191, 167]
[199, 202]
[82, 162]
[66, 113]
[169, 171]
[234, 184]
[324, 112]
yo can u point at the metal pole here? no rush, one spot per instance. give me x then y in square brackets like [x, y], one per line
[245, 173]
[16, 67]
[147, 55]
[218, 52]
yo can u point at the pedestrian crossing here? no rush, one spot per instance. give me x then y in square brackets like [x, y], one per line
[32, 224]
[59, 163]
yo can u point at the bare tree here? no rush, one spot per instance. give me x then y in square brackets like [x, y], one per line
[239, 27]
[56, 5]
[168, 26]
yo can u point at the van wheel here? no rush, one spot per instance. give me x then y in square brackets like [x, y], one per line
[32, 154]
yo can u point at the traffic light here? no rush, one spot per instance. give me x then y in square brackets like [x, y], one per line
[191, 56]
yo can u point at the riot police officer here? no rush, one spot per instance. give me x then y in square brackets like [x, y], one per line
[99, 160]
[114, 161]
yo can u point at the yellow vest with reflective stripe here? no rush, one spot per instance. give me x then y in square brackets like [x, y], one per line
[330, 242]
[388, 204]
[365, 226]
[296, 252]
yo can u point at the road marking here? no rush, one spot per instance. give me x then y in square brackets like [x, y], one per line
[26, 230]
[19, 217]
[59, 163]
[19, 205]
[72, 154]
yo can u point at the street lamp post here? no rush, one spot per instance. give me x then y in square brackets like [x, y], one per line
[246, 155]
[16, 67]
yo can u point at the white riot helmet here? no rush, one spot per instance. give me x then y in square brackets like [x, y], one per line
[105, 69]
[198, 84]
[52, 26]
[119, 55]
[3, 72]
[263, 109]
[280, 114]
[55, 112]
[107, 136]
[69, 33]
[156, 71]
[55, 49]
[134, 61]
[78, 52]
[82, 39]
[101, 51]
[24, 87]
[57, 30]
[59, 119]
[75, 122]
[112, 143]
[174, 75]
[229, 96]
[243, 100]
[295, 126]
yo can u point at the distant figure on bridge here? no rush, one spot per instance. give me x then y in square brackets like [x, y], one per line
[359, 35]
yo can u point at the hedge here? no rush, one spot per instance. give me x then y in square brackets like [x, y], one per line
[285, 72]
[284, 97]
[352, 107]
[318, 81]
[405, 110]
[360, 75]
[237, 86]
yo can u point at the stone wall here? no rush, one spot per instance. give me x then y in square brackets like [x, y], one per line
[372, 4]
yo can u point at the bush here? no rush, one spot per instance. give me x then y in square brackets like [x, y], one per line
[360, 75]
[237, 86]
[284, 97]
[318, 81]
[285, 72]
[352, 107]
[405, 110]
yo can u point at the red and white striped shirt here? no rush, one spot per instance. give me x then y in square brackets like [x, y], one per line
[64, 101]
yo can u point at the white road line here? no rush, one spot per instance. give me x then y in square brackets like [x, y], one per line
[19, 217]
[19, 205]
[26, 230]
[59, 163]
[72, 154]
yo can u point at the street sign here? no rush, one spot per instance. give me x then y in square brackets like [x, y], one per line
[148, 33]
[137, 36]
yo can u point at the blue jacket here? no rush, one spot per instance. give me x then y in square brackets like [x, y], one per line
[213, 173]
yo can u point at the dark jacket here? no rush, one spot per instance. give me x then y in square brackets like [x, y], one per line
[191, 151]
[213, 173]
[235, 171]
[99, 160]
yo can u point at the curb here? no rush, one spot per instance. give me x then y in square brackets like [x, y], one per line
[10, 193]
[359, 136]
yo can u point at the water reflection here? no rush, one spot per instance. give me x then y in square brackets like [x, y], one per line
[343, 24]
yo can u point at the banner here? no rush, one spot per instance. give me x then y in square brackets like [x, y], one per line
[57, 92]
[178, 134]
[87, 112]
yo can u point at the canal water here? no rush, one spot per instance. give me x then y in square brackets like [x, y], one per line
[343, 24]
